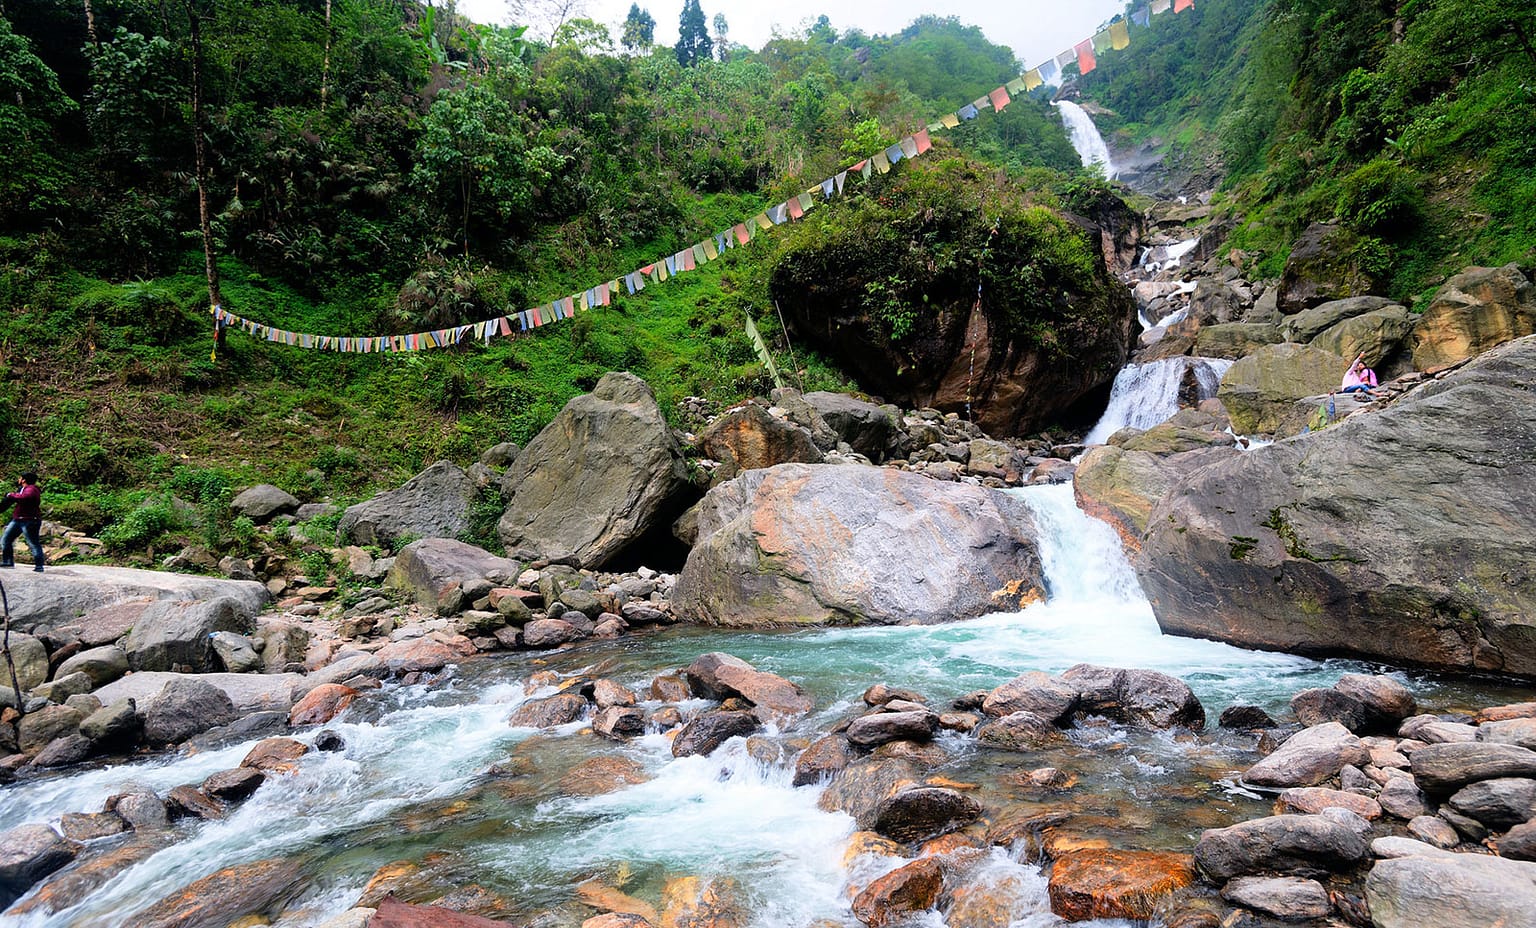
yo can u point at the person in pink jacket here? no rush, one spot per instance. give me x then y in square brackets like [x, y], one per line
[1359, 378]
[27, 520]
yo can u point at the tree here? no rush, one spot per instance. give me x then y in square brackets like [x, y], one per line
[32, 176]
[693, 44]
[639, 30]
[722, 29]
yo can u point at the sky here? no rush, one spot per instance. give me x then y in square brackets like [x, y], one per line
[1034, 29]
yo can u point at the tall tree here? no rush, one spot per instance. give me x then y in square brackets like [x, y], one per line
[722, 29]
[639, 30]
[693, 44]
[200, 152]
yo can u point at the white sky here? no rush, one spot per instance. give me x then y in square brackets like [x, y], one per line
[1034, 29]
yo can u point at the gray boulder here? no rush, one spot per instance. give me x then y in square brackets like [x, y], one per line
[1500, 803]
[174, 636]
[27, 854]
[186, 707]
[1309, 757]
[436, 571]
[1387, 536]
[115, 725]
[101, 603]
[250, 692]
[500, 455]
[924, 812]
[1044, 695]
[712, 729]
[102, 665]
[869, 429]
[606, 473]
[1442, 769]
[1261, 390]
[264, 501]
[549, 712]
[1310, 323]
[1509, 731]
[30, 656]
[1288, 898]
[720, 676]
[1451, 891]
[433, 504]
[873, 730]
[823, 544]
[750, 437]
[235, 652]
[1298, 844]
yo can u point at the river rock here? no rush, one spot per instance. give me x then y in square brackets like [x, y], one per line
[235, 652]
[30, 657]
[262, 502]
[82, 598]
[250, 692]
[65, 751]
[619, 722]
[826, 757]
[433, 504]
[1386, 701]
[91, 870]
[1322, 266]
[424, 655]
[749, 437]
[1102, 883]
[1500, 803]
[1309, 757]
[712, 729]
[878, 728]
[864, 785]
[434, 570]
[1299, 844]
[549, 633]
[1261, 390]
[1318, 705]
[549, 712]
[1402, 798]
[869, 429]
[1435, 831]
[606, 474]
[89, 826]
[220, 898]
[1521, 732]
[1474, 311]
[1287, 898]
[186, 707]
[234, 785]
[1019, 731]
[171, 636]
[1312, 800]
[1308, 324]
[102, 665]
[38, 728]
[1380, 336]
[1442, 769]
[900, 894]
[27, 854]
[1245, 718]
[321, 704]
[190, 802]
[1266, 551]
[275, 755]
[720, 676]
[1049, 698]
[1451, 891]
[924, 812]
[1519, 843]
[823, 544]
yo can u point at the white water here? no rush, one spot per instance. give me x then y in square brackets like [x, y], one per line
[410, 780]
[1145, 395]
[1086, 138]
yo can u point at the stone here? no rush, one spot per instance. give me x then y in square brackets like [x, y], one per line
[868, 429]
[284, 642]
[1438, 732]
[1451, 891]
[424, 655]
[217, 900]
[1519, 710]
[234, 785]
[597, 776]
[89, 826]
[1473, 312]
[924, 812]
[1298, 844]
[38, 728]
[720, 676]
[1245, 718]
[64, 752]
[549, 633]
[27, 854]
[1520, 732]
[1500, 803]
[1233, 340]
[433, 569]
[1311, 800]
[433, 504]
[617, 920]
[749, 437]
[1265, 552]
[608, 693]
[1261, 390]
[170, 636]
[321, 704]
[1308, 324]
[102, 665]
[1149, 699]
[30, 657]
[825, 758]
[1387, 702]
[549, 712]
[1519, 843]
[235, 652]
[878, 728]
[1402, 798]
[349, 666]
[1040, 693]
[605, 475]
[1318, 705]
[100, 604]
[900, 894]
[1321, 267]
[190, 802]
[1019, 731]
[619, 722]
[1380, 336]
[185, 707]
[1106, 883]
[65, 687]
[275, 755]
[1287, 898]
[1434, 830]
[712, 729]
[1309, 757]
[262, 502]
[141, 811]
[1121, 486]
[670, 688]
[823, 544]
[1442, 769]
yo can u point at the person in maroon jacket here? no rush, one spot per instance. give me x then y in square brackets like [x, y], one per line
[27, 519]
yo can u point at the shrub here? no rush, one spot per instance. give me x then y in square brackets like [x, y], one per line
[1381, 199]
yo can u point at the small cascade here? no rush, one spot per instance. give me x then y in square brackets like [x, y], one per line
[1145, 395]
[1085, 137]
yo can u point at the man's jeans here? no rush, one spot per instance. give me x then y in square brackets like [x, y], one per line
[28, 527]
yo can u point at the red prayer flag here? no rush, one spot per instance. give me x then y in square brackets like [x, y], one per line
[999, 98]
[923, 142]
[742, 235]
[1180, 6]
[795, 212]
[1085, 60]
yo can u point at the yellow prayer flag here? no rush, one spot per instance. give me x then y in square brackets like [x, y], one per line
[950, 121]
[1032, 80]
[1119, 35]
[882, 163]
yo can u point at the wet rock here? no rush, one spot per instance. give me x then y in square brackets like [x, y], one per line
[321, 704]
[220, 898]
[27, 854]
[1520, 732]
[190, 802]
[424, 655]
[329, 741]
[1316, 706]
[65, 751]
[607, 693]
[549, 712]
[1287, 898]
[1019, 731]
[1245, 718]
[880, 727]
[234, 785]
[143, 811]
[90, 871]
[617, 920]
[712, 729]
[1500, 803]
[924, 812]
[1156, 700]
[178, 635]
[900, 894]
[824, 758]
[1036, 692]
[184, 707]
[88, 826]
[619, 722]
[1313, 800]
[1309, 757]
[275, 755]
[1103, 883]
[549, 633]
[1441, 769]
[1299, 844]
[598, 776]
[1451, 891]
[693, 903]
[670, 688]
[720, 676]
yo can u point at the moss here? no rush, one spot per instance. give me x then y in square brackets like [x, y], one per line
[1241, 545]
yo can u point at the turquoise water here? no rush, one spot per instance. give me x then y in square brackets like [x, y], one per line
[412, 784]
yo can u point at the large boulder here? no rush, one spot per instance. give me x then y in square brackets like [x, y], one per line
[822, 544]
[1476, 310]
[605, 476]
[177, 636]
[29, 657]
[1101, 883]
[1381, 336]
[1120, 486]
[1301, 844]
[1309, 757]
[101, 603]
[186, 707]
[749, 437]
[27, 854]
[264, 501]
[436, 571]
[1322, 267]
[1451, 891]
[1261, 390]
[1308, 324]
[1393, 536]
[433, 504]
[1235, 339]
[248, 692]
[226, 896]
[868, 429]
[102, 665]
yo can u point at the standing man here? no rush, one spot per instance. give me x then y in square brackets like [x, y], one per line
[27, 519]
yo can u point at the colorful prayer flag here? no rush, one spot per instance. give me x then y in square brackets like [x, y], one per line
[841, 179]
[1033, 80]
[923, 142]
[968, 111]
[882, 163]
[1085, 60]
[949, 121]
[1070, 55]
[1049, 70]
[1018, 85]
[1142, 17]
[828, 187]
[1119, 35]
[1180, 6]
[1101, 42]
[709, 252]
[743, 234]
[909, 147]
[1161, 6]
[893, 154]
[999, 98]
[778, 214]
[796, 211]
[807, 202]
[762, 220]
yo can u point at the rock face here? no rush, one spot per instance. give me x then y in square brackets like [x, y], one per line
[70, 596]
[1321, 268]
[1261, 390]
[750, 437]
[1474, 311]
[437, 570]
[1451, 891]
[1390, 536]
[433, 504]
[821, 544]
[604, 475]
[177, 636]
[1120, 486]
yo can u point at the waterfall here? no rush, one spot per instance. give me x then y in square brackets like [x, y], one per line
[1145, 395]
[1086, 138]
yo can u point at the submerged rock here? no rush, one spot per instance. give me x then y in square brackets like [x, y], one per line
[900, 894]
[220, 898]
[1094, 883]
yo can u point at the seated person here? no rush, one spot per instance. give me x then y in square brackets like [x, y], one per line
[1359, 378]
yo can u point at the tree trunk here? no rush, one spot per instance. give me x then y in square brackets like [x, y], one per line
[325, 64]
[90, 23]
[200, 153]
[5, 645]
[1523, 39]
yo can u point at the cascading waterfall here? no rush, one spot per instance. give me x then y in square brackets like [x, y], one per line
[1145, 395]
[1086, 139]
